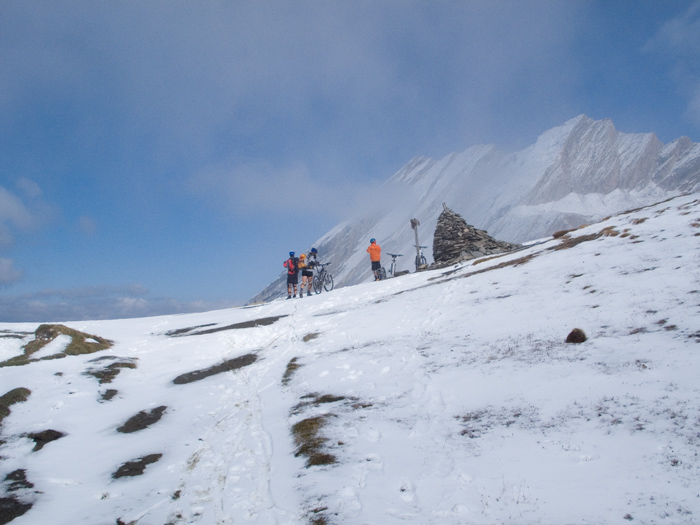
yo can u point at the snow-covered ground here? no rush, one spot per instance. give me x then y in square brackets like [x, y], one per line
[445, 397]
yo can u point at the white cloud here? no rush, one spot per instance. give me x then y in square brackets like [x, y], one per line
[13, 215]
[13, 210]
[30, 188]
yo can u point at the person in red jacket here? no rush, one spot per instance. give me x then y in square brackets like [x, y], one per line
[292, 266]
[375, 255]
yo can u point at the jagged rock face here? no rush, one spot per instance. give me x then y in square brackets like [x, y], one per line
[455, 240]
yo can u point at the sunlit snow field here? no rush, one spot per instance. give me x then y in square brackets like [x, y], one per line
[443, 397]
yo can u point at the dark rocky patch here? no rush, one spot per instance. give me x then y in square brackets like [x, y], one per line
[109, 394]
[136, 467]
[226, 366]
[142, 420]
[44, 437]
[19, 493]
[11, 508]
[576, 336]
[263, 321]
[18, 480]
[108, 373]
[183, 331]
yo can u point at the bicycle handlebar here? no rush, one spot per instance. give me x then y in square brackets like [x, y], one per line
[395, 254]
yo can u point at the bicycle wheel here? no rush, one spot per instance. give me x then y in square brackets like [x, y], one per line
[328, 282]
[423, 260]
[317, 284]
[382, 273]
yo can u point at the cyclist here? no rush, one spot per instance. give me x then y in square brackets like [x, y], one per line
[292, 266]
[375, 256]
[307, 274]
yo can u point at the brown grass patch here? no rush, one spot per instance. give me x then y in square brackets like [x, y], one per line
[570, 242]
[81, 343]
[16, 395]
[315, 400]
[310, 442]
[292, 367]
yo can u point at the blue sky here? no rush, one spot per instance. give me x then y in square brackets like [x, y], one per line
[164, 156]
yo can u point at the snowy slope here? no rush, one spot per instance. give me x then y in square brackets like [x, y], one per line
[574, 174]
[444, 397]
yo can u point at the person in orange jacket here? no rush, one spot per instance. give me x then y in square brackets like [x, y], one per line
[375, 255]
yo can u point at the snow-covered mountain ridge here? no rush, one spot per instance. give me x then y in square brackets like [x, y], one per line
[574, 174]
[440, 397]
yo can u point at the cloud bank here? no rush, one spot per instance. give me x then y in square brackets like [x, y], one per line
[96, 303]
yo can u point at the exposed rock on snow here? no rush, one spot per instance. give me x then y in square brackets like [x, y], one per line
[456, 241]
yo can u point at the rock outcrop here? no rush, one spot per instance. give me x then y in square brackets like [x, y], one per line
[455, 240]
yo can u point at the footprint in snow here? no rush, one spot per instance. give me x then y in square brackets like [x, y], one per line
[407, 491]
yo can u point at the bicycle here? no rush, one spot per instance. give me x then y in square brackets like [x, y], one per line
[322, 279]
[392, 268]
[420, 258]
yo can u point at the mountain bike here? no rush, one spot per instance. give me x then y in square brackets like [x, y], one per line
[392, 268]
[420, 258]
[322, 279]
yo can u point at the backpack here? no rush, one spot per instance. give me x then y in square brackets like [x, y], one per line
[292, 265]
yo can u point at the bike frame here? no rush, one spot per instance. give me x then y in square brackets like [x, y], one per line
[392, 267]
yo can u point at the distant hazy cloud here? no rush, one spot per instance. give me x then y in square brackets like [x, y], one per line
[87, 225]
[95, 303]
[8, 274]
[261, 188]
[362, 75]
[678, 42]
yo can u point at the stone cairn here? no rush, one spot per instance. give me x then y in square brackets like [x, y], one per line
[456, 241]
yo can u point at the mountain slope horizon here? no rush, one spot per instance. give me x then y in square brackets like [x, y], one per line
[574, 174]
